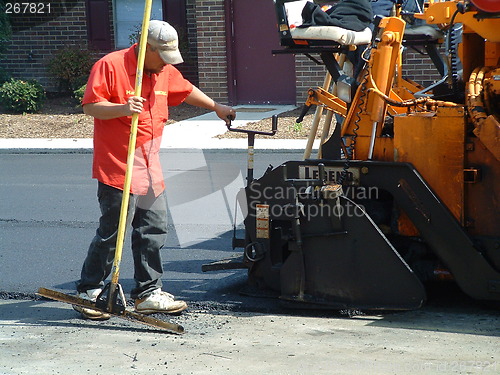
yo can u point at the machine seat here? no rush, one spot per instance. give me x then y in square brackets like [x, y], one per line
[422, 34]
[335, 34]
[292, 35]
[429, 38]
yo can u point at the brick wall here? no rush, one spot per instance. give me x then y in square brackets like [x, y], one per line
[30, 49]
[190, 50]
[419, 68]
[308, 74]
[212, 51]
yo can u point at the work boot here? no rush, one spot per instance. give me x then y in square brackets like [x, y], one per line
[159, 302]
[91, 295]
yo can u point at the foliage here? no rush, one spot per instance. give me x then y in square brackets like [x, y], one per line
[72, 65]
[22, 96]
[135, 34]
[78, 93]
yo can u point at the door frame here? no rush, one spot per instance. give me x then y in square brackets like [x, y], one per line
[231, 69]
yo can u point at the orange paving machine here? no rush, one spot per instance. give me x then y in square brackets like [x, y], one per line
[406, 186]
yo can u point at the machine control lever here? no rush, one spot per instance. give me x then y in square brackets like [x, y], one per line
[251, 140]
[274, 127]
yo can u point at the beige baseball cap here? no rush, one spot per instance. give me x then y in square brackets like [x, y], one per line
[164, 38]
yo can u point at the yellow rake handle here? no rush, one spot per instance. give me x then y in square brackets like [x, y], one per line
[131, 149]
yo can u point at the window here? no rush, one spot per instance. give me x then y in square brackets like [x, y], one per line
[98, 27]
[128, 15]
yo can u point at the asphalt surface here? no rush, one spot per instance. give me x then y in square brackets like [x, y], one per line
[48, 215]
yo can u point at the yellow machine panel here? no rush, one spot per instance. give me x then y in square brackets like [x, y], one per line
[434, 144]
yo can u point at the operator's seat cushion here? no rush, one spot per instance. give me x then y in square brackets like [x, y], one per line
[332, 33]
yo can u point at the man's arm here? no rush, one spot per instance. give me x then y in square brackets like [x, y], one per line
[108, 110]
[199, 99]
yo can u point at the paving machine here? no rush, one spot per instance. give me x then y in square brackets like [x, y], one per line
[406, 186]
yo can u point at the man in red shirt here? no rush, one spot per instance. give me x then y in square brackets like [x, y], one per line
[109, 98]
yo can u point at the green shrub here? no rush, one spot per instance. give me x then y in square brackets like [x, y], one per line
[22, 96]
[78, 93]
[71, 65]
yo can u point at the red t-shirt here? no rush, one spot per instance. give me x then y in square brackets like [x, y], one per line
[112, 79]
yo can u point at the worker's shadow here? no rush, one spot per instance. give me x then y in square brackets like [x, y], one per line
[43, 312]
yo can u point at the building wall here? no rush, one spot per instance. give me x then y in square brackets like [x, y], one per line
[212, 49]
[190, 51]
[30, 50]
[308, 74]
[419, 68]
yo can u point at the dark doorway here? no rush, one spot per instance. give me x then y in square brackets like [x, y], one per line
[256, 75]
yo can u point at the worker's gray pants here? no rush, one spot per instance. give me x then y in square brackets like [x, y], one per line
[148, 217]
